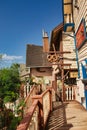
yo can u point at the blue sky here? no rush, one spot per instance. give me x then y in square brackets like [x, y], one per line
[21, 23]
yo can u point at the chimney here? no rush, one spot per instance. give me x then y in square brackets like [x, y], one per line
[45, 42]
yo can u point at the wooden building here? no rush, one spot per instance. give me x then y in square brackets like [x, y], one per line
[80, 20]
[63, 58]
[40, 68]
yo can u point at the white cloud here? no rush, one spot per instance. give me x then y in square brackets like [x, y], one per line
[11, 58]
[8, 60]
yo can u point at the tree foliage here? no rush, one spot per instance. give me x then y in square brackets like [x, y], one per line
[9, 83]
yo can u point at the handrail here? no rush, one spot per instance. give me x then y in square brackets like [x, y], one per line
[28, 100]
[41, 95]
[27, 119]
[45, 104]
[41, 105]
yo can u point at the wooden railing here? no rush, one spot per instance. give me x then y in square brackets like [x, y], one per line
[30, 120]
[45, 106]
[28, 100]
[37, 114]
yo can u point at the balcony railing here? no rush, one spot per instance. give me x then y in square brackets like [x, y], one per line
[28, 100]
[35, 117]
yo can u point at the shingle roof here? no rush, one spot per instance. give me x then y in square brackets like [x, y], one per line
[35, 57]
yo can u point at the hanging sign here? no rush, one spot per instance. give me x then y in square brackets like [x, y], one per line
[80, 34]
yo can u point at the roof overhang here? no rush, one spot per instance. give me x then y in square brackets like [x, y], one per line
[56, 36]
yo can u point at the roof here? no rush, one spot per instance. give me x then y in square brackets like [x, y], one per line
[56, 36]
[35, 57]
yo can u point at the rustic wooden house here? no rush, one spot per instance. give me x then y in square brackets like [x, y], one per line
[40, 68]
[63, 58]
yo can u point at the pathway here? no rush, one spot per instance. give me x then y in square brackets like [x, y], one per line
[67, 116]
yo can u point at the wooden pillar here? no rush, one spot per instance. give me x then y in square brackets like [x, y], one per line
[67, 94]
[72, 93]
[63, 87]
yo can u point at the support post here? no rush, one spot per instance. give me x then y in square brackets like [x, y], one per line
[63, 87]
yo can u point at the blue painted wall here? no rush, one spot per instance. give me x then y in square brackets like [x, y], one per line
[85, 77]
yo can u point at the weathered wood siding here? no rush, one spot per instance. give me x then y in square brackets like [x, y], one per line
[78, 15]
[70, 58]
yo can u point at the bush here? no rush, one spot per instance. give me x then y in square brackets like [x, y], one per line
[14, 123]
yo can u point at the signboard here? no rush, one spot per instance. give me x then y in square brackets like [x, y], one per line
[80, 34]
[73, 74]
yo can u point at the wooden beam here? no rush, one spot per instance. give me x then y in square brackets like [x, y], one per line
[59, 52]
[50, 65]
[61, 64]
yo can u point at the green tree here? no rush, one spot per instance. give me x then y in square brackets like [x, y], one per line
[9, 92]
[9, 83]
